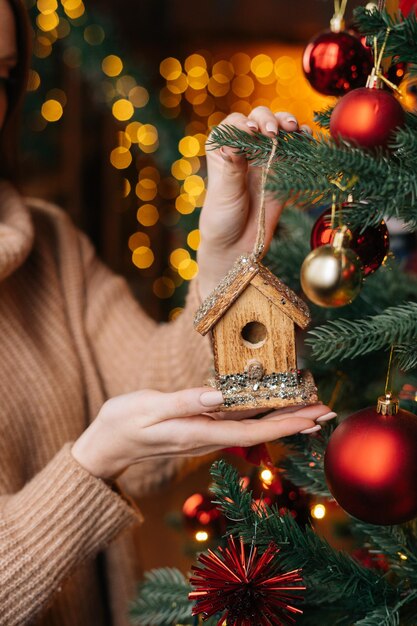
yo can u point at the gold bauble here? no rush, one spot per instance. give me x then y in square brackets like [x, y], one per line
[331, 277]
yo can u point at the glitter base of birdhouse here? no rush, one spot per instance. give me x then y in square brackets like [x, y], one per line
[272, 391]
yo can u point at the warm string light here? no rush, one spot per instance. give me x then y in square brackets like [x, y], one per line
[318, 511]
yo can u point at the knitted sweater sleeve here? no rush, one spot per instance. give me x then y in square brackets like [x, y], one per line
[62, 517]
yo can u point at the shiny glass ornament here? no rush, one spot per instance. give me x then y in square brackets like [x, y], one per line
[371, 466]
[371, 245]
[366, 117]
[336, 62]
[331, 277]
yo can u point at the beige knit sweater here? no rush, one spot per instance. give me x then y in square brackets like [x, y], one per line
[71, 335]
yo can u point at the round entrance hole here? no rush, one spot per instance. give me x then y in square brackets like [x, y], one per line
[254, 334]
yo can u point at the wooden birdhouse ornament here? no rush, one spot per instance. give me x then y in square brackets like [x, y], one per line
[252, 316]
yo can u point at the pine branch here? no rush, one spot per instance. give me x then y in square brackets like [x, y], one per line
[256, 148]
[388, 616]
[406, 356]
[331, 577]
[162, 599]
[344, 339]
[304, 464]
[226, 479]
[397, 543]
[382, 616]
[308, 170]
[322, 118]
[402, 41]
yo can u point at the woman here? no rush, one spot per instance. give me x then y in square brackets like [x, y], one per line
[71, 337]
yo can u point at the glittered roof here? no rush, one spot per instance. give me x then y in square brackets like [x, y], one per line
[246, 270]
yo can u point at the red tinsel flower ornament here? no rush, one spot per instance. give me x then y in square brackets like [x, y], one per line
[245, 587]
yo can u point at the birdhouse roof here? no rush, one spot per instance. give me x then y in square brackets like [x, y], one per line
[247, 271]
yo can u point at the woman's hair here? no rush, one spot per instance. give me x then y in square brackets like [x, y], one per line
[16, 89]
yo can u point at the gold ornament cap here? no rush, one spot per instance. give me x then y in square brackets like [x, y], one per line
[387, 404]
[337, 24]
[341, 238]
[373, 80]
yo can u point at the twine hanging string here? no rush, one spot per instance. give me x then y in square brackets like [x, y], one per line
[388, 380]
[259, 246]
[340, 9]
[378, 57]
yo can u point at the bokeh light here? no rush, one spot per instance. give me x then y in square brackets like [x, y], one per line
[177, 256]
[112, 65]
[94, 34]
[193, 239]
[139, 239]
[163, 287]
[147, 215]
[52, 110]
[146, 189]
[139, 96]
[188, 269]
[120, 158]
[185, 204]
[189, 146]
[143, 257]
[122, 109]
[170, 68]
[318, 511]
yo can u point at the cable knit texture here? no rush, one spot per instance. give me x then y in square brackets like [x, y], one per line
[72, 335]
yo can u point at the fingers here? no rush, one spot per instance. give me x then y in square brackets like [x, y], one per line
[160, 406]
[317, 412]
[251, 432]
[305, 128]
[287, 121]
[229, 155]
[269, 123]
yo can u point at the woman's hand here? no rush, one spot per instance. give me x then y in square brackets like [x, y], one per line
[150, 424]
[229, 216]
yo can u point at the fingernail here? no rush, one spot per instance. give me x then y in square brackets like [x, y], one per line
[225, 156]
[211, 398]
[253, 125]
[271, 127]
[326, 417]
[313, 429]
[291, 120]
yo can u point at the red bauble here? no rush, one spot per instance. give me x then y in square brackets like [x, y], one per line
[406, 6]
[371, 245]
[371, 466]
[335, 63]
[366, 117]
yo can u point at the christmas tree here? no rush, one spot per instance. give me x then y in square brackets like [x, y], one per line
[273, 569]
